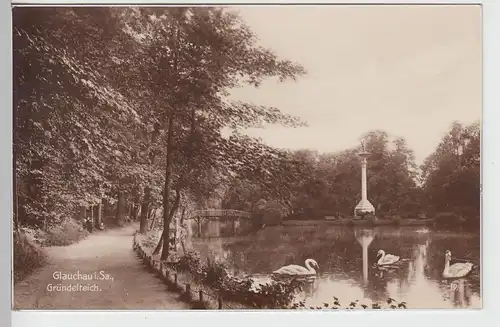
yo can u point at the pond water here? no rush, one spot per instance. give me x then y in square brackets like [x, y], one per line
[348, 274]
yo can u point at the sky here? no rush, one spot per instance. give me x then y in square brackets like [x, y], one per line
[408, 70]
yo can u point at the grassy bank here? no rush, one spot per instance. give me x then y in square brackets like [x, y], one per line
[360, 222]
[28, 256]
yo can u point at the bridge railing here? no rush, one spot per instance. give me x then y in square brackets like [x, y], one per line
[220, 213]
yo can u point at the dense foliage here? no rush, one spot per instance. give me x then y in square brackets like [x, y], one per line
[127, 106]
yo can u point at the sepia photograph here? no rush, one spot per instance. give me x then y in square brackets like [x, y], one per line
[247, 157]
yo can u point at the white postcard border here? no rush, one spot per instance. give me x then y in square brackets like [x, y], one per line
[490, 160]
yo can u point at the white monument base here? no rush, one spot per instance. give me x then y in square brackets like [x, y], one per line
[364, 207]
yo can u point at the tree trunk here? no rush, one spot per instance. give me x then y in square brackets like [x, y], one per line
[83, 213]
[144, 210]
[16, 203]
[154, 216]
[181, 223]
[182, 215]
[129, 214]
[135, 211]
[138, 211]
[99, 214]
[120, 219]
[161, 242]
[167, 212]
[166, 189]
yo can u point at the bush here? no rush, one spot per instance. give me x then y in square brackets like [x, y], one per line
[269, 212]
[27, 256]
[257, 220]
[272, 218]
[214, 274]
[189, 262]
[34, 236]
[448, 219]
[68, 232]
[396, 220]
[473, 223]
[151, 239]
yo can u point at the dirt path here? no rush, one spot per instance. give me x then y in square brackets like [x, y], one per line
[125, 283]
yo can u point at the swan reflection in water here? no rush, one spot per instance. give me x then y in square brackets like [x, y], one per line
[460, 293]
[309, 284]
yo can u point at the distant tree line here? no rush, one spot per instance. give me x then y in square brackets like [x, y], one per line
[318, 185]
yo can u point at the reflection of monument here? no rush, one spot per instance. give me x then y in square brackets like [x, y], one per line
[365, 238]
[373, 289]
[364, 206]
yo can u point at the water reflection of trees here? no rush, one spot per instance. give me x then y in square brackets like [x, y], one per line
[335, 252]
[416, 280]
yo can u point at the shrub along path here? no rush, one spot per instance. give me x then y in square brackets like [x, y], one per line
[123, 282]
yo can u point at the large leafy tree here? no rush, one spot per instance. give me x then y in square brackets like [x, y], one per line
[452, 173]
[132, 92]
[199, 54]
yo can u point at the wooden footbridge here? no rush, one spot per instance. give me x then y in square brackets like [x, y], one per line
[219, 213]
[211, 222]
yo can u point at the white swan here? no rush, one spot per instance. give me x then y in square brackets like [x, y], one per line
[386, 259]
[298, 270]
[456, 270]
